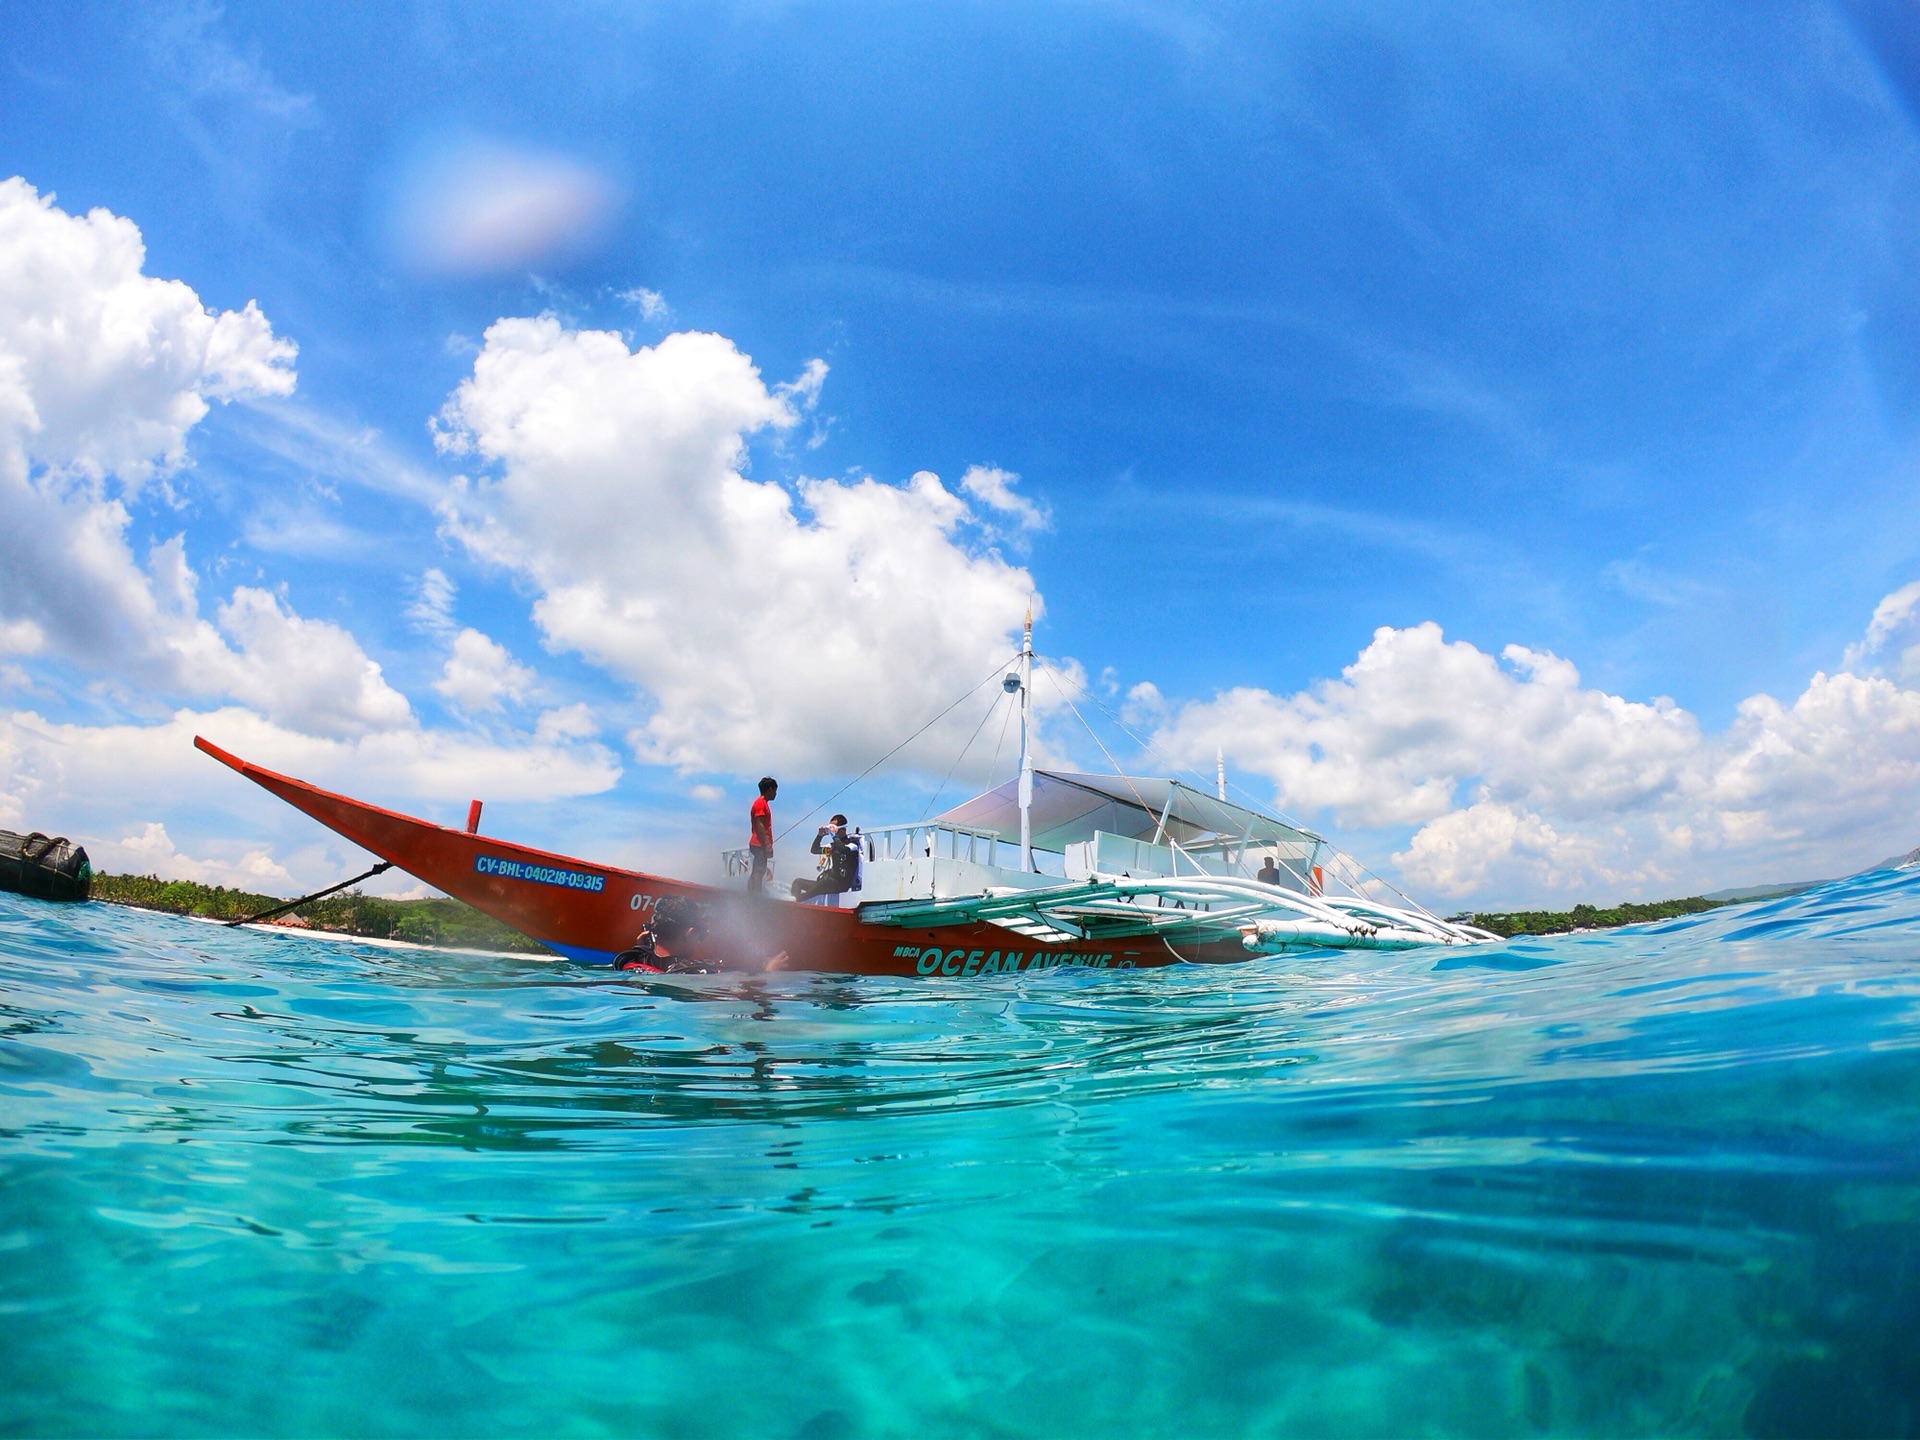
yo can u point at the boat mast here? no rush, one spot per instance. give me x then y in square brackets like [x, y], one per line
[1026, 753]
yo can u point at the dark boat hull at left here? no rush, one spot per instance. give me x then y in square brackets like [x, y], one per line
[47, 867]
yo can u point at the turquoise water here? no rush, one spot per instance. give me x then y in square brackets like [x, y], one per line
[1656, 1181]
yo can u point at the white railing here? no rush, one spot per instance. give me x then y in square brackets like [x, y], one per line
[939, 840]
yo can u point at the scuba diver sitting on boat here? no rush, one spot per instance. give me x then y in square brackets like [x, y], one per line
[1269, 873]
[839, 864]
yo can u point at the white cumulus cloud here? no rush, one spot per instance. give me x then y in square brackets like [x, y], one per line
[20, 637]
[1895, 627]
[993, 487]
[1516, 778]
[432, 609]
[85, 778]
[104, 370]
[651, 304]
[1465, 850]
[309, 674]
[151, 851]
[480, 674]
[809, 628]
[1417, 717]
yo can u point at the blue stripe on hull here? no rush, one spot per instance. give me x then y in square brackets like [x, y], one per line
[581, 953]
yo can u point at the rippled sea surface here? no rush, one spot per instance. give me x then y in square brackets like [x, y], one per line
[1663, 1180]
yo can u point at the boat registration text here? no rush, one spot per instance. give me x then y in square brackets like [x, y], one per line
[539, 874]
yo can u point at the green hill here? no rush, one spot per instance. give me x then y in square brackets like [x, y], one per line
[443, 922]
[1587, 917]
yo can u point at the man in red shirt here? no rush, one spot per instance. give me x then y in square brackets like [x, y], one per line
[760, 844]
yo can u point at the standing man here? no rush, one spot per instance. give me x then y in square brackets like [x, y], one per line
[760, 843]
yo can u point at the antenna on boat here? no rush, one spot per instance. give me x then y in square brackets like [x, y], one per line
[1026, 752]
[1220, 771]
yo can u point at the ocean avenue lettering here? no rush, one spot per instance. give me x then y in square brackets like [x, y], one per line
[538, 874]
[935, 961]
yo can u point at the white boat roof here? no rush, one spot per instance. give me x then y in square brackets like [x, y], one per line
[1068, 808]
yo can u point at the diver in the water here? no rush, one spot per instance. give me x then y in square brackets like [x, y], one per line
[682, 939]
[667, 943]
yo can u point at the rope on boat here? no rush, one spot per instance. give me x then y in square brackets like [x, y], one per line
[951, 769]
[1006, 724]
[304, 899]
[991, 675]
[1053, 675]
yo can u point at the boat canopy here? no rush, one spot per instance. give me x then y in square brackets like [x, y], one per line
[1068, 809]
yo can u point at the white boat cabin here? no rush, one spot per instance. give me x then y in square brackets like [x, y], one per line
[1081, 826]
[1057, 856]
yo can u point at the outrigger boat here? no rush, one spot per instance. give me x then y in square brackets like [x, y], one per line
[1054, 868]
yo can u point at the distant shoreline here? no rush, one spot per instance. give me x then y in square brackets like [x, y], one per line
[1509, 923]
[438, 924]
[1588, 917]
[341, 937]
[447, 924]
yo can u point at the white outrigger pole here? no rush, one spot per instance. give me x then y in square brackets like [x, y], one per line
[1026, 752]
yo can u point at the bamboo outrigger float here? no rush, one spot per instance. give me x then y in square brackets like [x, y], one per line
[1054, 868]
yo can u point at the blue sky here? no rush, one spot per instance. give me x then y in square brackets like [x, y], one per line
[1595, 334]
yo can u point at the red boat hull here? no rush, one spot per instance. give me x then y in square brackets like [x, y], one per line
[592, 912]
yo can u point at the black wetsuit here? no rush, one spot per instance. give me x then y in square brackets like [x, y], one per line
[643, 957]
[842, 872]
[683, 923]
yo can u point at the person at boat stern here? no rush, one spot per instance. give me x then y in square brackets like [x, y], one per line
[667, 942]
[684, 937]
[840, 865]
[760, 841]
